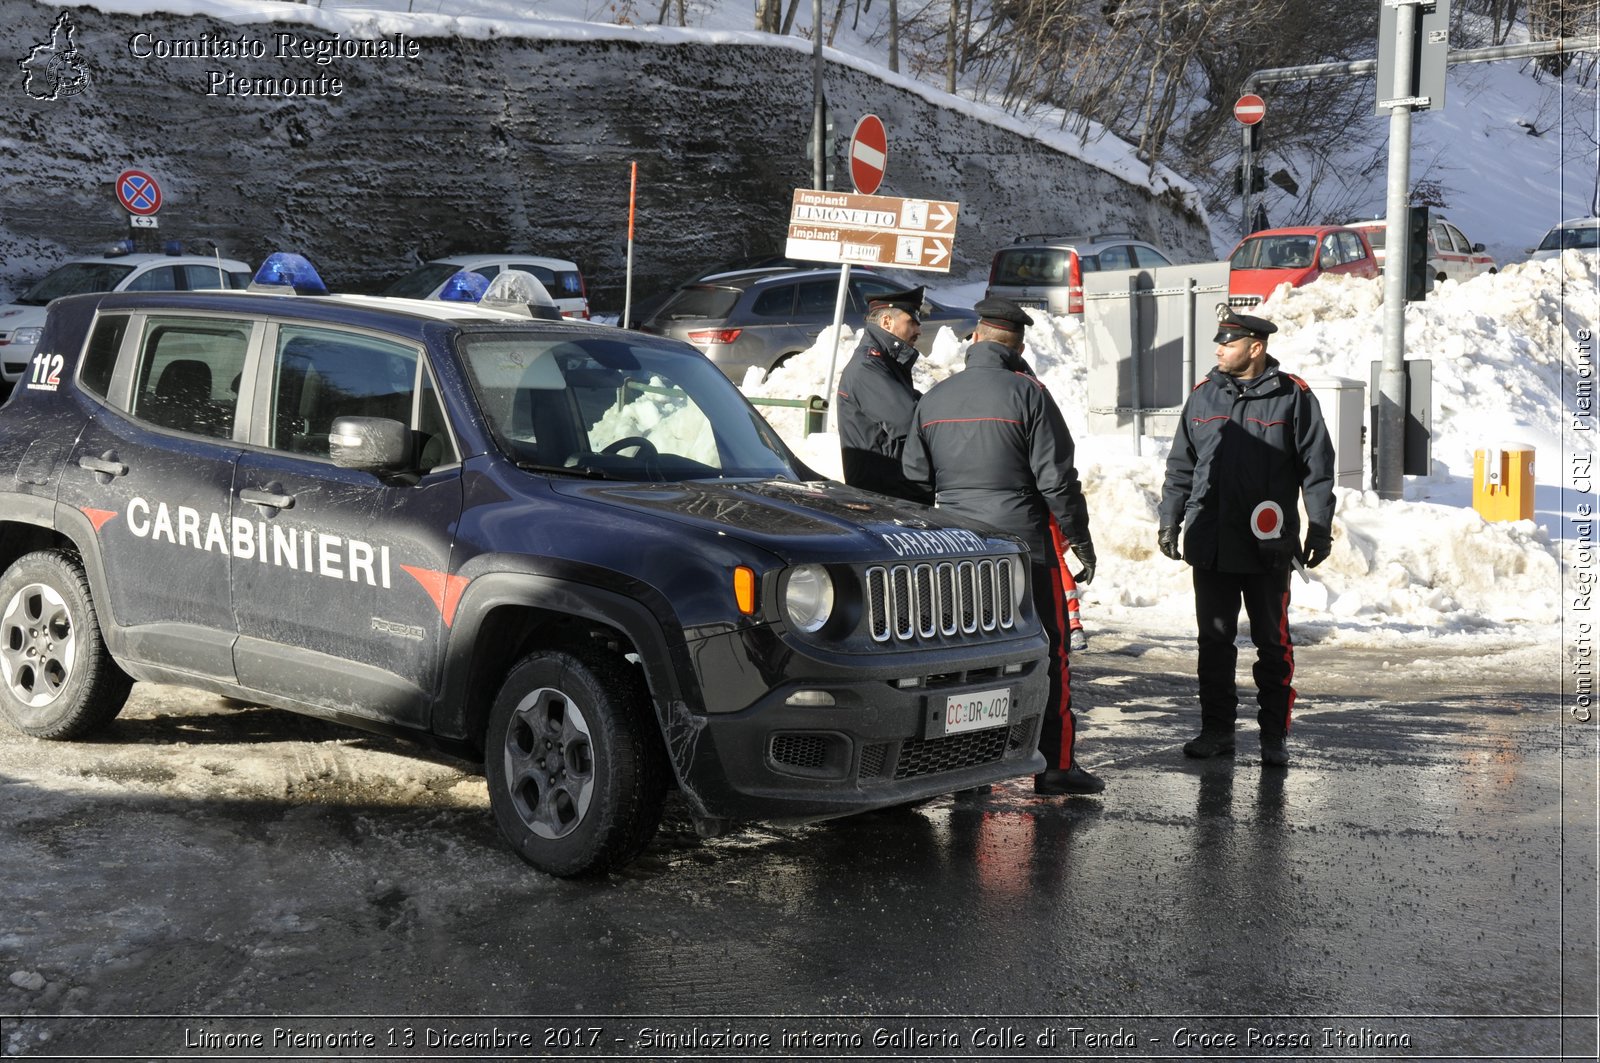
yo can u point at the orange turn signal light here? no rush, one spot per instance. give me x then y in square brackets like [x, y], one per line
[744, 589]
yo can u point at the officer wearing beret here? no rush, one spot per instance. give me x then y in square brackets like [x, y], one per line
[992, 444]
[1251, 441]
[876, 396]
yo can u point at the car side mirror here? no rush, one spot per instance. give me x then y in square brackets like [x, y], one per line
[370, 444]
[1477, 249]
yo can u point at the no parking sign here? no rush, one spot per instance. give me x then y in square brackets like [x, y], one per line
[138, 193]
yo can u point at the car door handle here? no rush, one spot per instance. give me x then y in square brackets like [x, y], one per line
[266, 499]
[102, 465]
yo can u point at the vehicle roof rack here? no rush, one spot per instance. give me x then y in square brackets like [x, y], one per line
[1092, 238]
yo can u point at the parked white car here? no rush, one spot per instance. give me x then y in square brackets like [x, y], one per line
[22, 322]
[1578, 234]
[561, 279]
[1452, 256]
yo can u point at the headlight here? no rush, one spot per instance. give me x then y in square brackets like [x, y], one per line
[808, 598]
[1019, 582]
[27, 336]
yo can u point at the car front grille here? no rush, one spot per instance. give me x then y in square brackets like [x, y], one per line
[928, 756]
[943, 600]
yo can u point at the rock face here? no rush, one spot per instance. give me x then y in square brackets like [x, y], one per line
[465, 143]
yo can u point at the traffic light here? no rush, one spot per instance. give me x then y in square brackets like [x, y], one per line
[1419, 276]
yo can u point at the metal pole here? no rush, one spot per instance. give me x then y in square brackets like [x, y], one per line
[833, 355]
[1246, 173]
[1137, 347]
[819, 161]
[1388, 477]
[1189, 342]
[627, 289]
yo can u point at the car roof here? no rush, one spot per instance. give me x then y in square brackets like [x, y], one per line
[1590, 222]
[1073, 242]
[141, 259]
[371, 310]
[474, 261]
[1297, 230]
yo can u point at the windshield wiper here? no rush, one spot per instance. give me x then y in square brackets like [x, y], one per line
[587, 472]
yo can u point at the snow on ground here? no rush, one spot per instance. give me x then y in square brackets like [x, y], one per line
[1506, 368]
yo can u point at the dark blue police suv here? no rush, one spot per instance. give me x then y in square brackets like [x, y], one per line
[570, 552]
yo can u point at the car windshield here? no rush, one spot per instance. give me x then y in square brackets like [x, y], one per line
[618, 407]
[1275, 252]
[76, 278]
[1033, 265]
[1568, 236]
[420, 282]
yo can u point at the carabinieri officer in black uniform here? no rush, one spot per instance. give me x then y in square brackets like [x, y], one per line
[876, 396]
[1251, 439]
[993, 444]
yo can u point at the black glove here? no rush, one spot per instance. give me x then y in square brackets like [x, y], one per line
[1168, 538]
[1085, 552]
[1278, 553]
[1319, 544]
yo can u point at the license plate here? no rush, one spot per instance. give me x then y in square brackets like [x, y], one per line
[1031, 304]
[976, 711]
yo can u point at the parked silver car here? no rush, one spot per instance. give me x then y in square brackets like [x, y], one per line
[1045, 272]
[763, 317]
[1575, 234]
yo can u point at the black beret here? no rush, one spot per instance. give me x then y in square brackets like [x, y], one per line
[1230, 325]
[909, 300]
[1002, 314]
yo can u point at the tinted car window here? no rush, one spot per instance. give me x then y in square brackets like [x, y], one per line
[160, 279]
[1117, 257]
[421, 282]
[816, 299]
[204, 278]
[561, 283]
[188, 373]
[100, 357]
[76, 278]
[777, 301]
[1031, 266]
[1149, 256]
[321, 374]
[699, 302]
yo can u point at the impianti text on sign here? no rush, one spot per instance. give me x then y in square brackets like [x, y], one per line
[281, 46]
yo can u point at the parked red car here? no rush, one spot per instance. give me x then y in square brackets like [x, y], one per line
[1295, 256]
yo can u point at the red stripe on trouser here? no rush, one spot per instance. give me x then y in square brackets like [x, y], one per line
[1056, 628]
[1288, 658]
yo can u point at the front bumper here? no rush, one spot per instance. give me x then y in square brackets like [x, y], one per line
[878, 745]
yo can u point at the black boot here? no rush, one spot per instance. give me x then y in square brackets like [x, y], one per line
[1209, 743]
[1274, 751]
[1061, 782]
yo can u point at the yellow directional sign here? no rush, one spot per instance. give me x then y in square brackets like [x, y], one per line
[871, 230]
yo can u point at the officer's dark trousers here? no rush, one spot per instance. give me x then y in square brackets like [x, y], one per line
[1265, 595]
[1060, 728]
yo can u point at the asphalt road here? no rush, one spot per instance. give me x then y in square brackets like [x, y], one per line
[212, 881]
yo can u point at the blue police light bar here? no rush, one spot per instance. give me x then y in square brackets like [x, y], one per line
[121, 247]
[464, 286]
[287, 273]
[173, 247]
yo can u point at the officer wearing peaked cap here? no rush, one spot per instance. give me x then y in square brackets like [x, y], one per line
[1250, 442]
[876, 396]
[993, 444]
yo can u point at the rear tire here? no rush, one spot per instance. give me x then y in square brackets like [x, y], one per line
[57, 680]
[576, 769]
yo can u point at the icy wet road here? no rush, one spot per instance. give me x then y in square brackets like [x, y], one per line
[1421, 881]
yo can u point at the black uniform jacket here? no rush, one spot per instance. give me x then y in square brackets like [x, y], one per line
[1240, 443]
[876, 400]
[993, 445]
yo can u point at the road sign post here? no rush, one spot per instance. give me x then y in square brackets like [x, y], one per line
[1248, 112]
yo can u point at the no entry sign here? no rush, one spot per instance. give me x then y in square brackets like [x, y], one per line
[1250, 109]
[138, 192]
[869, 154]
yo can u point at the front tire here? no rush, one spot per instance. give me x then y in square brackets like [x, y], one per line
[576, 770]
[57, 680]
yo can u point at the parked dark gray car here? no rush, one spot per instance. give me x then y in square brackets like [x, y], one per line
[763, 317]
